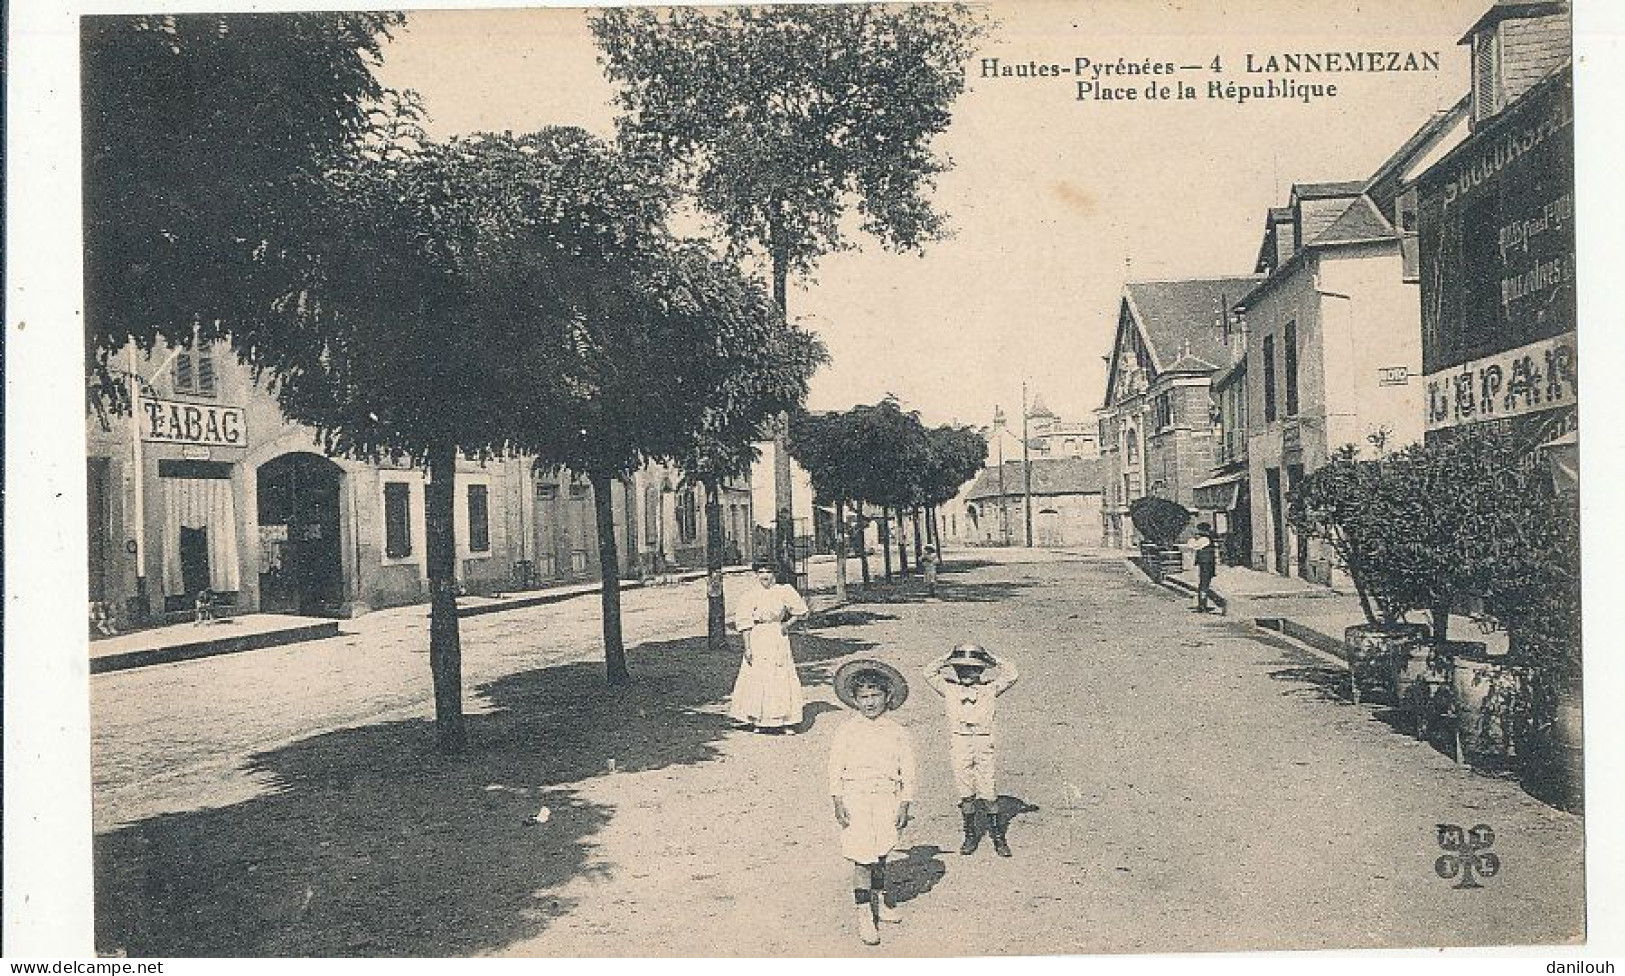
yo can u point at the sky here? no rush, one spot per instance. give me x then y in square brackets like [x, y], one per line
[1053, 202]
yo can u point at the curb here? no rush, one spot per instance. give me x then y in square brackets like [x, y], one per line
[192, 650]
[1173, 585]
[584, 589]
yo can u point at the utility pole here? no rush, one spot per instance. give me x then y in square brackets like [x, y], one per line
[1026, 468]
[1004, 507]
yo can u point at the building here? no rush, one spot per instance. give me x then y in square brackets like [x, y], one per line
[1224, 499]
[1000, 512]
[1496, 226]
[1155, 426]
[1065, 496]
[206, 485]
[1333, 337]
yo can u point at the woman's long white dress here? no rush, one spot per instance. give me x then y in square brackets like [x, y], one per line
[768, 693]
[871, 768]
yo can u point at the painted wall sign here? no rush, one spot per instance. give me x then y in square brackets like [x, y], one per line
[1540, 376]
[1496, 233]
[206, 424]
[1393, 376]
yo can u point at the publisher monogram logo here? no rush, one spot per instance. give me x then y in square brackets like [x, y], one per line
[1469, 857]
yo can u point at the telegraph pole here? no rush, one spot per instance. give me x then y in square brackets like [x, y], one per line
[1026, 468]
[1004, 502]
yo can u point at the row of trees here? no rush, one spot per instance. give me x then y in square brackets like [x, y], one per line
[482, 296]
[884, 457]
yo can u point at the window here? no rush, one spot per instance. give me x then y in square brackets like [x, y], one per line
[397, 519]
[651, 515]
[1289, 351]
[194, 371]
[1164, 406]
[1405, 219]
[1131, 449]
[1269, 378]
[688, 518]
[1486, 74]
[479, 518]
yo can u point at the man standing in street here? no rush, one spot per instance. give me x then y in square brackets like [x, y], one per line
[1207, 562]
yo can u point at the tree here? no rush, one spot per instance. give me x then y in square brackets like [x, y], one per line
[441, 312]
[889, 451]
[820, 443]
[207, 142]
[759, 367]
[1159, 519]
[783, 118]
[954, 455]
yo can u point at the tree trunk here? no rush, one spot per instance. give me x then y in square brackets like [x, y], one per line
[609, 573]
[1441, 624]
[716, 616]
[919, 540]
[445, 643]
[840, 552]
[933, 526]
[885, 537]
[902, 542]
[784, 519]
[863, 543]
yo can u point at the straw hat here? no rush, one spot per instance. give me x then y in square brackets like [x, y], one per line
[847, 677]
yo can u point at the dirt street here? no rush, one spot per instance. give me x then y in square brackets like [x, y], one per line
[1182, 782]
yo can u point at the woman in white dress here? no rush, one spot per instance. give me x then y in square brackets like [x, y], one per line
[767, 695]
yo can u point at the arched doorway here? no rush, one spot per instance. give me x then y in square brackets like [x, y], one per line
[301, 558]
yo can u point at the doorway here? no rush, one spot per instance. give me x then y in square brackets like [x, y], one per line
[301, 558]
[1272, 482]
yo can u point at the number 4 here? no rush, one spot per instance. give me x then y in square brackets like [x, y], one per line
[1216, 66]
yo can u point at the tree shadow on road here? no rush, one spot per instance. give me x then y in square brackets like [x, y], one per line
[915, 873]
[913, 591]
[367, 842]
[845, 618]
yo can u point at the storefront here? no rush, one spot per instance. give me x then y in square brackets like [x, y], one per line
[1496, 228]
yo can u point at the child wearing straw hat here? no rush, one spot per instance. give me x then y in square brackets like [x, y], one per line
[871, 779]
[971, 697]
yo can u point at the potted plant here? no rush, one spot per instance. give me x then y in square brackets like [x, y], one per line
[1159, 522]
[1356, 506]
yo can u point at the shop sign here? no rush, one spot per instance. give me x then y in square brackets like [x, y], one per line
[1542, 375]
[1496, 234]
[204, 424]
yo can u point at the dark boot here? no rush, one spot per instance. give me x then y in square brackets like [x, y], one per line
[996, 824]
[971, 810]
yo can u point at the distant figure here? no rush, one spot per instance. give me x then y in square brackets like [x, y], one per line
[101, 621]
[1207, 561]
[971, 698]
[871, 780]
[928, 566]
[203, 607]
[767, 696]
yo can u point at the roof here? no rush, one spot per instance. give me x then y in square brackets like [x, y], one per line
[1051, 476]
[1182, 319]
[1360, 222]
[1507, 9]
[1037, 409]
[1320, 191]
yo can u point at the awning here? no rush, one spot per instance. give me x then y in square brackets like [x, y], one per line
[1219, 494]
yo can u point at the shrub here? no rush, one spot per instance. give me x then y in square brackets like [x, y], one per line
[1159, 520]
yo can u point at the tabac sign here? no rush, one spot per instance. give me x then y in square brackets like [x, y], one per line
[206, 424]
[1540, 376]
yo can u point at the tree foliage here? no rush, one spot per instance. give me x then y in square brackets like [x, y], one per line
[954, 456]
[1160, 520]
[783, 117]
[208, 139]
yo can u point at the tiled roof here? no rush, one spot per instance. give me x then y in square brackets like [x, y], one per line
[1360, 222]
[1319, 191]
[1051, 476]
[1184, 318]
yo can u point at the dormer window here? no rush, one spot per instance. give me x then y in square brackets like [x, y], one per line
[1487, 86]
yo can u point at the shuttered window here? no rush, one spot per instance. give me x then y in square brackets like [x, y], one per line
[194, 372]
[479, 519]
[1289, 350]
[1269, 377]
[397, 519]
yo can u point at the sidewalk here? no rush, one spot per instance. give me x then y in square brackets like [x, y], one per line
[184, 642]
[1309, 612]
